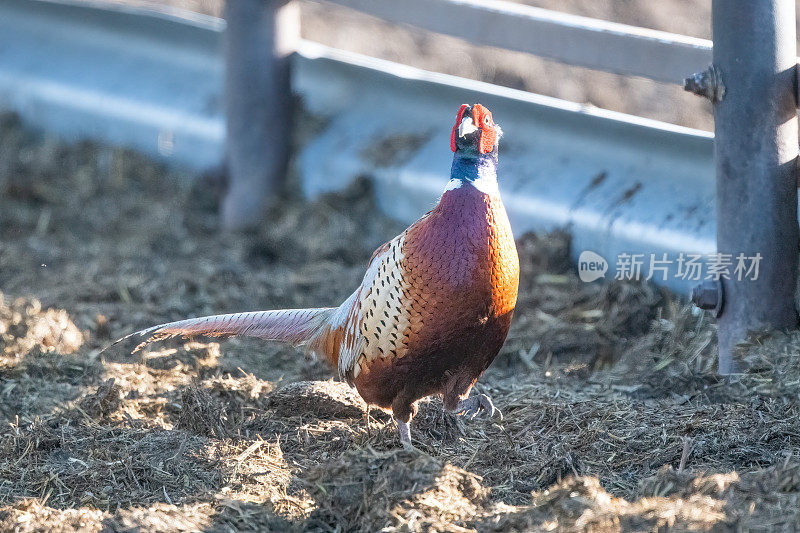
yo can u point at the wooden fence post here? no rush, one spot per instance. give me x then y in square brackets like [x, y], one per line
[259, 40]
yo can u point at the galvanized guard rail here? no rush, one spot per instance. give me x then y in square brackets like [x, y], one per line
[153, 81]
[571, 39]
[150, 81]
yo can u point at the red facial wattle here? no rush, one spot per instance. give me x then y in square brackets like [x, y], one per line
[454, 133]
[482, 118]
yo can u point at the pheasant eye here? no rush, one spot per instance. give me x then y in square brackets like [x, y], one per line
[486, 120]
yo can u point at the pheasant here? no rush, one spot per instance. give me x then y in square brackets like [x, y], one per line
[435, 304]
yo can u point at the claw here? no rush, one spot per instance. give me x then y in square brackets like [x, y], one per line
[474, 405]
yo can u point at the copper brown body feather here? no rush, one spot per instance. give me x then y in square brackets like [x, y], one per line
[460, 274]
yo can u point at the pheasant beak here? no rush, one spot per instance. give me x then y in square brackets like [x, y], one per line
[466, 127]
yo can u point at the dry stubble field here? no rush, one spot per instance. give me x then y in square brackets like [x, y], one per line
[613, 415]
[613, 420]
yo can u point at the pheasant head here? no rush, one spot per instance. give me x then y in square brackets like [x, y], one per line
[474, 140]
[474, 133]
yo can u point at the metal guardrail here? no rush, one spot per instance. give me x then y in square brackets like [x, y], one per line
[149, 80]
[571, 39]
[619, 183]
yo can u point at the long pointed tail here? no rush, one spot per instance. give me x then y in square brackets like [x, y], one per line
[295, 326]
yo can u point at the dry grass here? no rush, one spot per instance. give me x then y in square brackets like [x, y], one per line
[613, 417]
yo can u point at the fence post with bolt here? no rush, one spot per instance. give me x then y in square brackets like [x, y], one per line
[752, 84]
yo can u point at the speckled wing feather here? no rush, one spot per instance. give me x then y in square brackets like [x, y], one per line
[372, 322]
[295, 326]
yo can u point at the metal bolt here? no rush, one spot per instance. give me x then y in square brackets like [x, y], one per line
[707, 83]
[708, 296]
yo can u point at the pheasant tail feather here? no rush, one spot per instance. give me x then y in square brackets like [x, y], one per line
[294, 326]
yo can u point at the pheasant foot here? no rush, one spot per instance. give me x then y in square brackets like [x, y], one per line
[475, 404]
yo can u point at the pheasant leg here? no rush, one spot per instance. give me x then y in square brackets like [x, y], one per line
[404, 430]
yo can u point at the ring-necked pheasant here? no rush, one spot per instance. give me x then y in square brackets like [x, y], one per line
[435, 304]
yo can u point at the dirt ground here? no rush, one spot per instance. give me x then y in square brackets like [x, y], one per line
[613, 417]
